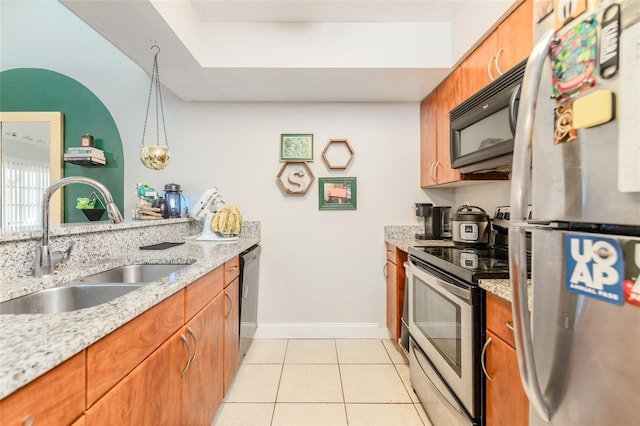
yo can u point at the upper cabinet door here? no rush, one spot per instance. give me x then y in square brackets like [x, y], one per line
[428, 140]
[504, 48]
[515, 37]
[478, 69]
[447, 97]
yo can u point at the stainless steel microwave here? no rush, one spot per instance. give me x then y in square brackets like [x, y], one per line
[483, 126]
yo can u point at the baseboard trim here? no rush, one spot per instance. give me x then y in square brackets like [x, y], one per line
[321, 331]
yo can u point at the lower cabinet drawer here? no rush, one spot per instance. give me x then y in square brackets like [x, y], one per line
[56, 398]
[499, 318]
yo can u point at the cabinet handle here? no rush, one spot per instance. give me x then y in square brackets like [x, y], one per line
[433, 178]
[195, 345]
[497, 61]
[508, 325]
[233, 268]
[226, 315]
[491, 77]
[384, 270]
[29, 420]
[482, 358]
[435, 171]
[188, 347]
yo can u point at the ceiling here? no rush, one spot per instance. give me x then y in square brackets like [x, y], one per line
[287, 51]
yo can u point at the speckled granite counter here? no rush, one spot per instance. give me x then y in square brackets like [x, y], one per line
[30, 345]
[502, 288]
[403, 237]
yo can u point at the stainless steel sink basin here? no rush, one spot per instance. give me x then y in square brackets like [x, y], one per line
[89, 291]
[65, 299]
[141, 273]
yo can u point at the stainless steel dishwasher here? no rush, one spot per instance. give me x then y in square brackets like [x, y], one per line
[249, 278]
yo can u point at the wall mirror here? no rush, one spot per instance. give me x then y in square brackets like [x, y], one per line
[31, 154]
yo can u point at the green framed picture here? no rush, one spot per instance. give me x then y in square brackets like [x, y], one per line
[337, 193]
[296, 147]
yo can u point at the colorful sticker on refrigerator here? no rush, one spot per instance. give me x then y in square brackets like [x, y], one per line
[567, 10]
[573, 57]
[609, 41]
[631, 283]
[563, 130]
[595, 267]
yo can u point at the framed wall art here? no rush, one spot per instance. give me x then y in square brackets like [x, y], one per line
[296, 147]
[337, 193]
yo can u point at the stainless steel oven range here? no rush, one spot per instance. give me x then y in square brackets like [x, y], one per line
[446, 328]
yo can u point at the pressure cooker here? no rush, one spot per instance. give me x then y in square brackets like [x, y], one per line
[470, 226]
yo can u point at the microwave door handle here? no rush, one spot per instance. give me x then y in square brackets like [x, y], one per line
[520, 182]
[515, 97]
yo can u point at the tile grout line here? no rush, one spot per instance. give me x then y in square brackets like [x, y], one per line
[344, 401]
[273, 413]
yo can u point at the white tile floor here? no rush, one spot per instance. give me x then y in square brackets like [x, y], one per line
[322, 382]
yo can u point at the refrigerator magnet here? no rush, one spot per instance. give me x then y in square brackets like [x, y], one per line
[631, 283]
[610, 41]
[594, 267]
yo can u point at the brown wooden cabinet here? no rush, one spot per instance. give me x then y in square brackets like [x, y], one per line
[151, 394]
[231, 332]
[204, 377]
[435, 165]
[509, 44]
[56, 398]
[394, 273]
[506, 402]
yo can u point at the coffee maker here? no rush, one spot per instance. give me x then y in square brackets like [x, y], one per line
[437, 221]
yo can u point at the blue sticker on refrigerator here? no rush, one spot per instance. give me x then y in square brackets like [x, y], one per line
[595, 267]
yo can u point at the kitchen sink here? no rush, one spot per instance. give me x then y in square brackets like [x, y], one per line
[140, 273]
[89, 291]
[65, 299]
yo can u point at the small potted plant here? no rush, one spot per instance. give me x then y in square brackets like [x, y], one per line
[88, 206]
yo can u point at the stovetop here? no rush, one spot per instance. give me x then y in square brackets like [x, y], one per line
[469, 264]
[473, 263]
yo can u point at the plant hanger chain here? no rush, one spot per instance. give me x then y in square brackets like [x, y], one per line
[155, 81]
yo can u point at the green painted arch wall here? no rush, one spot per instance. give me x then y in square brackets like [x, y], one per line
[32, 89]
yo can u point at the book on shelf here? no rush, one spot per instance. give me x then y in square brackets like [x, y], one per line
[85, 150]
[84, 159]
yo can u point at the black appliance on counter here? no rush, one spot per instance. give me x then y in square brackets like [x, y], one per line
[446, 323]
[437, 221]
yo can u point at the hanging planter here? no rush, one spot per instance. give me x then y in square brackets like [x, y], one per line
[155, 157]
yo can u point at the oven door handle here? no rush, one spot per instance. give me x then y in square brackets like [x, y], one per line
[461, 293]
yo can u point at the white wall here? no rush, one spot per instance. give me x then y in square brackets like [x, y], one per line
[321, 271]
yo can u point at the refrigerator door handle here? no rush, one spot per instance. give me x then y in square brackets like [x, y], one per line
[520, 183]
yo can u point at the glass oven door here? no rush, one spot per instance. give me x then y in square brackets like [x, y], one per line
[441, 317]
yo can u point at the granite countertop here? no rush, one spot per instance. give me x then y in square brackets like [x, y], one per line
[403, 237]
[502, 288]
[31, 345]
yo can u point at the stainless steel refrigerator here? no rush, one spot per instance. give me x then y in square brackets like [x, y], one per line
[577, 160]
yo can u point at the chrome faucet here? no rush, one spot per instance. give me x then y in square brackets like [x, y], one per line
[46, 260]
